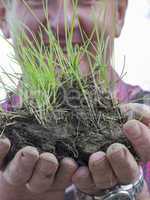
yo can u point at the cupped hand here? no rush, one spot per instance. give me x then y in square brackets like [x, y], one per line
[34, 176]
[117, 165]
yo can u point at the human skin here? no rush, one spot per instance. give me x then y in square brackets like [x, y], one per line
[34, 176]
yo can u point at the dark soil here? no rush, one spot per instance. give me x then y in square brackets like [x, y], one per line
[73, 129]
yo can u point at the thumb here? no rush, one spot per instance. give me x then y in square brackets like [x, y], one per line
[137, 111]
[139, 135]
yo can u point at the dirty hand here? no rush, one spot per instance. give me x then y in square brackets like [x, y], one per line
[31, 176]
[117, 165]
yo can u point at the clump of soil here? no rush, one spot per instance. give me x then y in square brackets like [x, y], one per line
[75, 128]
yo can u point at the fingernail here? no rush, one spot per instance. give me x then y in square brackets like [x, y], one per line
[29, 153]
[98, 156]
[114, 148]
[96, 159]
[4, 141]
[132, 129]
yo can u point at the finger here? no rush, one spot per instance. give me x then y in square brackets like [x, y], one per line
[137, 111]
[4, 148]
[43, 174]
[83, 181]
[139, 136]
[123, 163]
[101, 171]
[125, 167]
[20, 168]
[64, 176]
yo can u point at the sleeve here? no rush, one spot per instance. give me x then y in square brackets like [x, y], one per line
[11, 103]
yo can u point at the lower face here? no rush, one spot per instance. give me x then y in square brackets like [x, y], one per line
[89, 14]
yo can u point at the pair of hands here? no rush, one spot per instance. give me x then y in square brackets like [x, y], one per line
[31, 176]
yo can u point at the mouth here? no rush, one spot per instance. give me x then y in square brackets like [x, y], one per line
[64, 46]
[75, 45]
[65, 49]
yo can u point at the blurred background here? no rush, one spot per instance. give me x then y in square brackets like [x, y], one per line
[132, 49]
[134, 44]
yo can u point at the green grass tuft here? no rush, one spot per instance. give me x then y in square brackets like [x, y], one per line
[46, 68]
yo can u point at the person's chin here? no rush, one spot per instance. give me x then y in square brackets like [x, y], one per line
[84, 67]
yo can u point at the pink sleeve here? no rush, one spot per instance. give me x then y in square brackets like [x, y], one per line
[146, 171]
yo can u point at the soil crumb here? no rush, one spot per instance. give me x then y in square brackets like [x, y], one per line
[76, 128]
